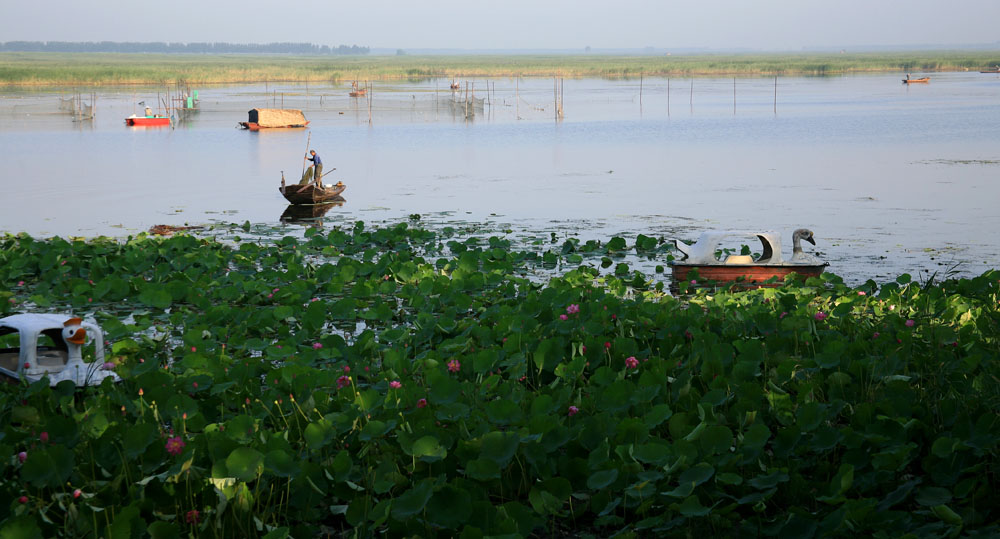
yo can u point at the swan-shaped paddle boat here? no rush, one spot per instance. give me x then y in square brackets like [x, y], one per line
[744, 270]
[52, 345]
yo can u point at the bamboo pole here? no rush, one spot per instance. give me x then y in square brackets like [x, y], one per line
[668, 96]
[691, 99]
[517, 96]
[640, 93]
[734, 96]
[776, 94]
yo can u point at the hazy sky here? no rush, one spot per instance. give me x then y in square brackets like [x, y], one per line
[513, 24]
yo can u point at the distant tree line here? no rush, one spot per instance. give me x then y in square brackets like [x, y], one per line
[191, 48]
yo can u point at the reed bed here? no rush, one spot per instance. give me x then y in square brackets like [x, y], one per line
[105, 68]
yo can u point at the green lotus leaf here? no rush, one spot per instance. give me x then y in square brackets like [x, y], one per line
[413, 500]
[601, 479]
[245, 463]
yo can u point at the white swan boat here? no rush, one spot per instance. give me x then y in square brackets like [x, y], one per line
[744, 271]
[52, 345]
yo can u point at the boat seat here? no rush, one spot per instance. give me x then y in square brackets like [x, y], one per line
[8, 360]
[51, 358]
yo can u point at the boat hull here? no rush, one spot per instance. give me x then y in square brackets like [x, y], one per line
[309, 194]
[741, 276]
[254, 126]
[140, 121]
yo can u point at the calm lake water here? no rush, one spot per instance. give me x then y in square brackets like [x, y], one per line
[891, 178]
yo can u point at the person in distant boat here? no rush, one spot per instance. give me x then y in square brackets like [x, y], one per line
[317, 166]
[149, 112]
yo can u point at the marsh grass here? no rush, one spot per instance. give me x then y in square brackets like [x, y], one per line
[96, 68]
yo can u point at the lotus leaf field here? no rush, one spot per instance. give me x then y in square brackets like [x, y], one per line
[438, 381]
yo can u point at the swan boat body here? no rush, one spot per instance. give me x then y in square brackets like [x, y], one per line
[52, 345]
[743, 271]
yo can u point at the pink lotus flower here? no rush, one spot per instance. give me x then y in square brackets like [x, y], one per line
[583, 349]
[861, 293]
[22, 456]
[77, 493]
[783, 314]
[23, 499]
[343, 382]
[108, 366]
[421, 403]
[346, 369]
[44, 437]
[909, 323]
[563, 317]
[192, 516]
[573, 410]
[175, 446]
[194, 349]
[20, 283]
[573, 309]
[395, 384]
[820, 316]
[875, 335]
[454, 365]
[607, 345]
[631, 362]
[317, 345]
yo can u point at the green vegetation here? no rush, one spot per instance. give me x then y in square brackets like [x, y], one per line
[91, 68]
[410, 381]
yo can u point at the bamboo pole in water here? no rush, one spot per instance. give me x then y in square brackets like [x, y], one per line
[734, 95]
[775, 94]
[517, 96]
[640, 93]
[668, 96]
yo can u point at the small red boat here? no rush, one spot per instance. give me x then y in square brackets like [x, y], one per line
[911, 81]
[147, 120]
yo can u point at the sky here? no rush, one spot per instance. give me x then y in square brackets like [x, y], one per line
[765, 25]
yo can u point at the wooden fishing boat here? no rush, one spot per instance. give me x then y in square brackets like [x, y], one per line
[911, 81]
[310, 194]
[139, 121]
[994, 71]
[357, 91]
[740, 272]
[274, 119]
[53, 345]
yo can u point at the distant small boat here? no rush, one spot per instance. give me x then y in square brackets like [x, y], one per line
[455, 85]
[911, 81]
[994, 71]
[310, 194]
[139, 121]
[358, 93]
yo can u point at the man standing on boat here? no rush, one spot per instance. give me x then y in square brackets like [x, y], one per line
[318, 170]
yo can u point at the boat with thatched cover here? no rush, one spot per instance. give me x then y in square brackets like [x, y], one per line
[274, 119]
[310, 193]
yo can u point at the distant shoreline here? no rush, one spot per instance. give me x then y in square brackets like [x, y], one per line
[53, 69]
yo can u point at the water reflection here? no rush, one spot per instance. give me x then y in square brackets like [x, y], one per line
[309, 213]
